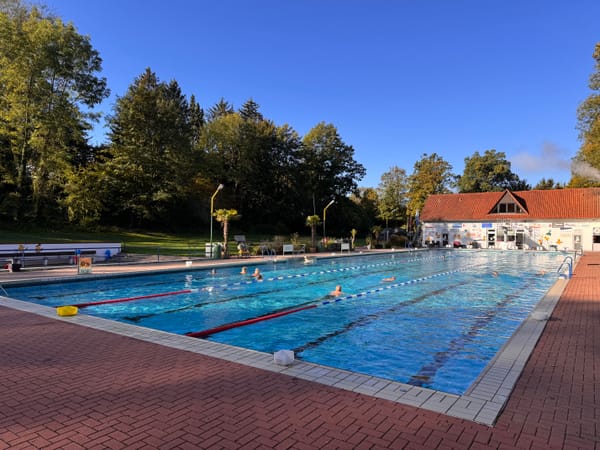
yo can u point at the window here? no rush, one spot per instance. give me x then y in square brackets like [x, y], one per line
[508, 208]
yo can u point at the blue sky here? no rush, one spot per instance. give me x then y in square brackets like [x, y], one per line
[397, 78]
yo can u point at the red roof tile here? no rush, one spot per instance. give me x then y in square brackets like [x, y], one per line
[583, 203]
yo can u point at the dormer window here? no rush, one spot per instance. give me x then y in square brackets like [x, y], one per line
[508, 208]
[508, 204]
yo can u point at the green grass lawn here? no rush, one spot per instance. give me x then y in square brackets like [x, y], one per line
[140, 242]
[133, 242]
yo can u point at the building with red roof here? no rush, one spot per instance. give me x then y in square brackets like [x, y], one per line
[560, 219]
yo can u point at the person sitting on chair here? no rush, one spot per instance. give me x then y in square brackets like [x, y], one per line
[242, 249]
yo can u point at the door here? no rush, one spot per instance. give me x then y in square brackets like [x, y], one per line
[577, 240]
[520, 238]
[491, 238]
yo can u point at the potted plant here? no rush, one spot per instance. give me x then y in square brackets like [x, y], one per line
[312, 222]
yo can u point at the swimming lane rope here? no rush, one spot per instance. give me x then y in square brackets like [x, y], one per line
[321, 272]
[241, 323]
[131, 299]
[240, 283]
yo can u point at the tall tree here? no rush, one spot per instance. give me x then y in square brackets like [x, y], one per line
[327, 167]
[257, 162]
[431, 175]
[196, 120]
[392, 193]
[489, 172]
[547, 184]
[250, 111]
[221, 109]
[366, 203]
[586, 167]
[48, 84]
[150, 164]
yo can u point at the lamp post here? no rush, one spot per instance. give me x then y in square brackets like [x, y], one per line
[212, 202]
[324, 215]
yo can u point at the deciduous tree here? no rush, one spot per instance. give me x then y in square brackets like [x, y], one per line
[586, 167]
[431, 175]
[392, 194]
[489, 172]
[327, 167]
[48, 84]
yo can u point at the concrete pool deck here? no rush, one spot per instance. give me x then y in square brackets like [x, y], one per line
[66, 385]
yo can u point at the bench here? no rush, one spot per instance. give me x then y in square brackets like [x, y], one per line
[44, 258]
[294, 250]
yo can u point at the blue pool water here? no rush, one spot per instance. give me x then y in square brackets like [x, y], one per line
[436, 325]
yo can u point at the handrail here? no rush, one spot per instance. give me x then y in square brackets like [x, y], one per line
[568, 261]
[4, 290]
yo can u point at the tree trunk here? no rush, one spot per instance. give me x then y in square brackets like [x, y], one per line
[225, 237]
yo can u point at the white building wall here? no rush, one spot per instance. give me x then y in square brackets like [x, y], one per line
[546, 235]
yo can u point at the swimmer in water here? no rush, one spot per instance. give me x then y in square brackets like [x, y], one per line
[389, 279]
[244, 271]
[338, 291]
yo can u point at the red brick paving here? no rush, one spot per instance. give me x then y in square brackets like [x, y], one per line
[70, 387]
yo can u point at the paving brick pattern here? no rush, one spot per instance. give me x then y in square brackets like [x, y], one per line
[70, 387]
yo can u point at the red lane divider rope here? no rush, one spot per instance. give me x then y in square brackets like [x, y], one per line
[241, 323]
[130, 299]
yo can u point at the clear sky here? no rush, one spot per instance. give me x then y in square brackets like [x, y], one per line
[398, 78]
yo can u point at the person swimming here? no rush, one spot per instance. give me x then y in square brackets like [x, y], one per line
[244, 271]
[389, 279]
[337, 292]
[256, 272]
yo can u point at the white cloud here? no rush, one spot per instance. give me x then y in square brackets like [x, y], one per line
[550, 158]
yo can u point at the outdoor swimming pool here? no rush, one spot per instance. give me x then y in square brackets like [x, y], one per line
[436, 325]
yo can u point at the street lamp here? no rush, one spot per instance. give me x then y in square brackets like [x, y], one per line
[324, 213]
[212, 202]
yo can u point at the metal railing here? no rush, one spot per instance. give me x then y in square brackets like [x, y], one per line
[568, 263]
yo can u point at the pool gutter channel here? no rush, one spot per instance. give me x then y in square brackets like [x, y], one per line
[482, 403]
